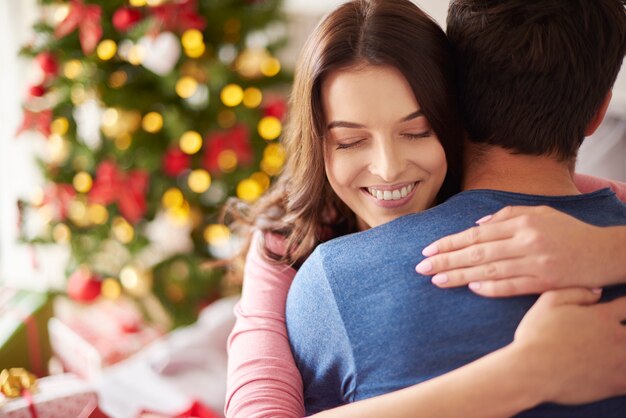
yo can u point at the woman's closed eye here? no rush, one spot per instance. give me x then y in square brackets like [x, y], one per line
[413, 135]
[350, 144]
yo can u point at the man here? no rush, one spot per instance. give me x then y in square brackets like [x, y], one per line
[535, 79]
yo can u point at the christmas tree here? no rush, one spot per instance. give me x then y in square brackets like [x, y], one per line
[155, 112]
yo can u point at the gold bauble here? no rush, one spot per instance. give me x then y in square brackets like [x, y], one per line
[190, 142]
[186, 86]
[249, 190]
[152, 122]
[59, 126]
[231, 95]
[270, 67]
[252, 97]
[106, 49]
[73, 69]
[192, 39]
[269, 128]
[111, 288]
[122, 230]
[82, 182]
[199, 181]
[98, 214]
[172, 198]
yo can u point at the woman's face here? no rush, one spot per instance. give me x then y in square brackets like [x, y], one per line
[381, 156]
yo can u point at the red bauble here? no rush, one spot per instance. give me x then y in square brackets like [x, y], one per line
[37, 91]
[83, 285]
[175, 162]
[48, 63]
[125, 18]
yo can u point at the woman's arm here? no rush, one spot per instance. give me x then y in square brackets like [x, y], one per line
[522, 250]
[263, 380]
[564, 351]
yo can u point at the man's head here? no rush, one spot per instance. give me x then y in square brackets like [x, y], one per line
[533, 75]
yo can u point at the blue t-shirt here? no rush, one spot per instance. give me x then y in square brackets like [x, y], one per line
[362, 323]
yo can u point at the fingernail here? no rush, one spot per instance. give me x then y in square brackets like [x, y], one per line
[424, 267]
[474, 285]
[430, 250]
[597, 290]
[484, 219]
[440, 278]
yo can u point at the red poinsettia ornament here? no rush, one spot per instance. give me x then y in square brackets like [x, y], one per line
[128, 189]
[85, 17]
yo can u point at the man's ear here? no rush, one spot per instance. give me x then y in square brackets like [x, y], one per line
[599, 116]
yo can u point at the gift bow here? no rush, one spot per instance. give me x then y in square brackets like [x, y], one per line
[14, 381]
[87, 19]
[127, 189]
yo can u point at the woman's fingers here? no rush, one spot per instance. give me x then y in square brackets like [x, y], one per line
[477, 255]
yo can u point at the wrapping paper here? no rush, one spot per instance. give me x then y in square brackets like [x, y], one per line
[60, 396]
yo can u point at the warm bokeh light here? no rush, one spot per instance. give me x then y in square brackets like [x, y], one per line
[186, 86]
[106, 49]
[270, 67]
[152, 122]
[231, 95]
[199, 181]
[82, 182]
[190, 142]
[269, 128]
[252, 97]
[59, 126]
[249, 190]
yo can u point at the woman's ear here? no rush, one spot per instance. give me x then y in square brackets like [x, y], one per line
[599, 116]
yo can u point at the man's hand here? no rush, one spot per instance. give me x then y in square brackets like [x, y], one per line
[524, 250]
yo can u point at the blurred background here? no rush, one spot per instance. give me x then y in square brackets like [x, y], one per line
[126, 124]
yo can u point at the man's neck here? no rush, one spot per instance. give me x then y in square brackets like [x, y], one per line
[491, 167]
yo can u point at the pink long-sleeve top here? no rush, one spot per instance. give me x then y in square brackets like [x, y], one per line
[263, 380]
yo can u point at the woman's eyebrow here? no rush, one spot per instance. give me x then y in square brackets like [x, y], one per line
[344, 124]
[413, 115]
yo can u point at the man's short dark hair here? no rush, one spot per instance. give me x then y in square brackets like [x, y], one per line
[532, 74]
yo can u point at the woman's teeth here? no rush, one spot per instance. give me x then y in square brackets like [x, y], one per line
[395, 194]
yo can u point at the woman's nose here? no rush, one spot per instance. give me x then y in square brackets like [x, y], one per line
[387, 162]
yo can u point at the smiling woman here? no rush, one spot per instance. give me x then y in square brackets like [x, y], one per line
[382, 158]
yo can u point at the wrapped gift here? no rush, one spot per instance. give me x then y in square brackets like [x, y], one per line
[59, 396]
[87, 338]
[24, 338]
